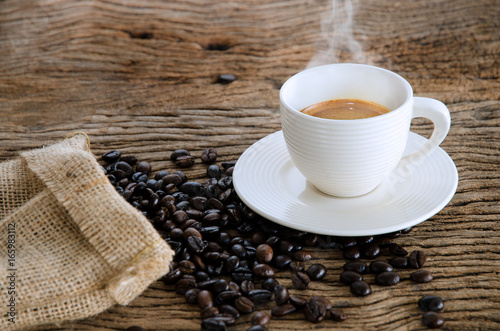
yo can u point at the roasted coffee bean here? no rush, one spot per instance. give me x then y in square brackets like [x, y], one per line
[111, 156]
[228, 309]
[184, 161]
[180, 216]
[227, 297]
[298, 301]
[282, 310]
[380, 266]
[264, 253]
[207, 284]
[325, 301]
[397, 250]
[220, 285]
[201, 276]
[282, 261]
[399, 262]
[349, 277]
[228, 164]
[231, 263]
[246, 286]
[187, 267]
[281, 295]
[337, 315]
[160, 174]
[314, 311]
[172, 276]
[309, 239]
[192, 188]
[285, 247]
[180, 152]
[421, 276]
[125, 167]
[244, 305]
[239, 250]
[209, 155]
[270, 284]
[316, 271]
[143, 167]
[191, 295]
[430, 303]
[370, 251]
[360, 288]
[118, 175]
[351, 253]
[387, 278]
[196, 245]
[189, 232]
[205, 299]
[263, 271]
[417, 259]
[183, 285]
[300, 280]
[240, 274]
[260, 296]
[261, 318]
[213, 324]
[356, 266]
[209, 312]
[297, 266]
[213, 171]
[432, 320]
[301, 256]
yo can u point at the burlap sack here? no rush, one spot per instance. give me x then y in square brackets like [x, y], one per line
[71, 246]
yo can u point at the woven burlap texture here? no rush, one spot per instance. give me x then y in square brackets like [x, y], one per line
[76, 246]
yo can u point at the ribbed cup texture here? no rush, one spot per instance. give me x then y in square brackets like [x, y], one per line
[346, 157]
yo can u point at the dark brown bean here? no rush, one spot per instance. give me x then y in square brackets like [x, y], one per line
[316, 271]
[351, 253]
[183, 285]
[261, 318]
[356, 266]
[337, 315]
[282, 310]
[179, 152]
[387, 278]
[244, 305]
[430, 303]
[282, 261]
[263, 271]
[300, 280]
[184, 161]
[297, 266]
[270, 284]
[205, 299]
[370, 251]
[281, 295]
[361, 288]
[399, 262]
[192, 295]
[432, 320]
[143, 167]
[111, 156]
[314, 311]
[349, 277]
[380, 266]
[301, 256]
[228, 309]
[397, 250]
[260, 296]
[298, 301]
[421, 276]
[209, 155]
[325, 301]
[264, 253]
[227, 297]
[417, 259]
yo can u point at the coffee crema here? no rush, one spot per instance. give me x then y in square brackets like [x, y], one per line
[345, 109]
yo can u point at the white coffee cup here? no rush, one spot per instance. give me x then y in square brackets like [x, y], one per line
[348, 158]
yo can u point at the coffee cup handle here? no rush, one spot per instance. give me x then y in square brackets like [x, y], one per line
[438, 113]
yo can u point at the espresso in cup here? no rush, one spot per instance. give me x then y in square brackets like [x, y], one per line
[345, 109]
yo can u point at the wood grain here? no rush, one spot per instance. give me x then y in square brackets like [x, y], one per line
[141, 77]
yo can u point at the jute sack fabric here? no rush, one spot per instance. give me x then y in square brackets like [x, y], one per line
[71, 246]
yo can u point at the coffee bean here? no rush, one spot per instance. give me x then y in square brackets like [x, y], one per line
[213, 324]
[300, 280]
[432, 320]
[187, 267]
[111, 156]
[172, 276]
[325, 301]
[380, 266]
[337, 315]
[184, 161]
[430, 303]
[387, 278]
[351, 253]
[240, 274]
[356, 266]
[421, 276]
[360, 288]
[228, 309]
[349, 277]
[417, 259]
[209, 155]
[228, 164]
[196, 245]
[227, 297]
[191, 295]
[399, 262]
[270, 284]
[184, 285]
[260, 296]
[298, 301]
[397, 250]
[370, 251]
[244, 305]
[282, 310]
[264, 253]
[282, 261]
[263, 271]
[316, 271]
[205, 299]
[281, 295]
[192, 188]
[297, 266]
[213, 171]
[261, 318]
[177, 153]
[301, 256]
[143, 167]
[189, 232]
[314, 311]
[125, 167]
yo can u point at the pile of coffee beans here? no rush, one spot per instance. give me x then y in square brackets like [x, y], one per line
[227, 256]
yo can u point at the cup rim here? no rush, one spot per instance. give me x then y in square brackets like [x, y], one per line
[409, 96]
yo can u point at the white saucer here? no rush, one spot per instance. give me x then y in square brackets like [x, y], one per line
[267, 181]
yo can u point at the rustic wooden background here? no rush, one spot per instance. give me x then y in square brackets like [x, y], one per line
[141, 76]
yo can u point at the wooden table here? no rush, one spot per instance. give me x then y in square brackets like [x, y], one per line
[142, 77]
